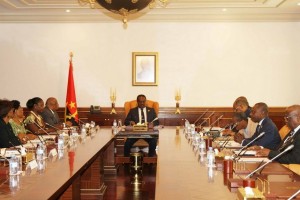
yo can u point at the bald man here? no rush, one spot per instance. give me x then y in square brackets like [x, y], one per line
[49, 113]
[292, 119]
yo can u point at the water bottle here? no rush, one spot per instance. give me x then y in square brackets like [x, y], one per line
[115, 127]
[13, 165]
[210, 157]
[83, 134]
[60, 146]
[202, 146]
[40, 158]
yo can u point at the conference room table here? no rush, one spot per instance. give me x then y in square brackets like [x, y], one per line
[179, 173]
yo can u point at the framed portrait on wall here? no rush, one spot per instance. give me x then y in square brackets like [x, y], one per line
[144, 68]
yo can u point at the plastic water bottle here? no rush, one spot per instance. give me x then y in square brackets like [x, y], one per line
[202, 146]
[210, 157]
[83, 134]
[115, 127]
[40, 158]
[13, 165]
[60, 146]
[60, 142]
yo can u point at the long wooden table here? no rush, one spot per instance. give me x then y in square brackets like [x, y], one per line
[78, 177]
[180, 175]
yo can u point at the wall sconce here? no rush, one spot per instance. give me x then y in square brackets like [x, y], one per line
[177, 99]
[113, 97]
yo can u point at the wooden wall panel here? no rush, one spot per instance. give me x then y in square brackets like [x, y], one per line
[167, 116]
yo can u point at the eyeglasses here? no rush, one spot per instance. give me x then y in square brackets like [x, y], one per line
[289, 117]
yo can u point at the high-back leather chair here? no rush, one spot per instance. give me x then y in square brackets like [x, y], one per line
[284, 131]
[132, 104]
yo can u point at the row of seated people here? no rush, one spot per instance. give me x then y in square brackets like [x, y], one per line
[15, 129]
[252, 122]
[271, 144]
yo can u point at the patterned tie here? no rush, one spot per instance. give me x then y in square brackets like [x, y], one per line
[143, 116]
[289, 137]
[258, 128]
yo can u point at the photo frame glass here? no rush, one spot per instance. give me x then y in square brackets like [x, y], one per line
[145, 68]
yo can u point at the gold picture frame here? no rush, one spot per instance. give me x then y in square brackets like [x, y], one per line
[144, 68]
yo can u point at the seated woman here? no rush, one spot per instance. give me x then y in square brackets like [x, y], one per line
[7, 136]
[17, 123]
[34, 122]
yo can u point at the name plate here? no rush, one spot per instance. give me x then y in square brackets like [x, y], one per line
[32, 164]
[140, 128]
[52, 153]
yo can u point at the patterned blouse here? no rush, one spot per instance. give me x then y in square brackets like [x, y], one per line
[17, 128]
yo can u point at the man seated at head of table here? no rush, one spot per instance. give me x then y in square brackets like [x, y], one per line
[141, 114]
[292, 119]
[7, 136]
[34, 122]
[17, 124]
[270, 139]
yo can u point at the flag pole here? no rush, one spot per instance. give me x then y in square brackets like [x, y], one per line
[71, 56]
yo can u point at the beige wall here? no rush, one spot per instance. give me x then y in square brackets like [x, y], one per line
[212, 63]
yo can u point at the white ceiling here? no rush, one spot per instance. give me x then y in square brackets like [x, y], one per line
[176, 10]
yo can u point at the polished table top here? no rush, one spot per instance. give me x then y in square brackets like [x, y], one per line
[59, 174]
[179, 173]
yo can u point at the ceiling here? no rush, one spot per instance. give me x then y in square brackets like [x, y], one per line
[175, 11]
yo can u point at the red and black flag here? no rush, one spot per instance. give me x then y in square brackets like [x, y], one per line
[71, 113]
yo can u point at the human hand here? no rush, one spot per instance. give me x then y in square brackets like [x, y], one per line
[238, 138]
[263, 152]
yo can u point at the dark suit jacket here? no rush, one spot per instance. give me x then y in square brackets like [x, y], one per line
[133, 115]
[270, 139]
[7, 136]
[49, 117]
[289, 157]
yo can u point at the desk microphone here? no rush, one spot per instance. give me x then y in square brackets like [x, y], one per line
[154, 120]
[294, 195]
[201, 116]
[57, 129]
[285, 150]
[211, 125]
[225, 143]
[207, 118]
[247, 145]
[14, 147]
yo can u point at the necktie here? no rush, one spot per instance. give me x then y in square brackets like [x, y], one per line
[258, 128]
[143, 116]
[289, 137]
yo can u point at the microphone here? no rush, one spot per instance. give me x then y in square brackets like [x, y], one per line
[294, 195]
[247, 145]
[201, 116]
[57, 129]
[38, 135]
[14, 147]
[225, 143]
[211, 125]
[154, 120]
[285, 150]
[207, 118]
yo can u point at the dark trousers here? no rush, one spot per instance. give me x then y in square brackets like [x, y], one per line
[130, 141]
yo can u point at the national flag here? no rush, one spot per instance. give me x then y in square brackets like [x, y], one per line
[71, 113]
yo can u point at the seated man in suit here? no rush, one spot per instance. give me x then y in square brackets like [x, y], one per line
[141, 114]
[271, 138]
[49, 113]
[292, 119]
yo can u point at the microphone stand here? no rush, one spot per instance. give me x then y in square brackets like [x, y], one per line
[211, 126]
[294, 195]
[247, 145]
[200, 116]
[287, 149]
[207, 118]
[39, 134]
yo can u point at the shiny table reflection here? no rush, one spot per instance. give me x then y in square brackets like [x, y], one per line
[180, 174]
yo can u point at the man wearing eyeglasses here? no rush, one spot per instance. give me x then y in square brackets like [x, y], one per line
[292, 119]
